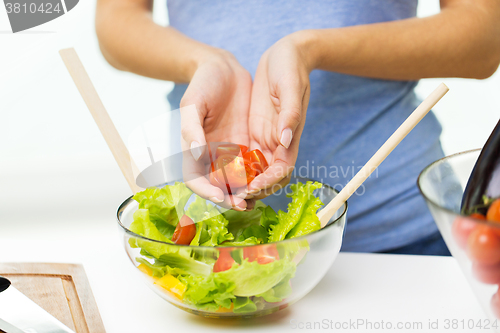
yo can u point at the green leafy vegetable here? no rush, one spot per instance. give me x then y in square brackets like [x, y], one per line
[252, 278]
[143, 226]
[302, 195]
[165, 205]
[238, 221]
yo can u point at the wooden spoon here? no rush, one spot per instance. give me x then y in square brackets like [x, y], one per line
[327, 213]
[100, 115]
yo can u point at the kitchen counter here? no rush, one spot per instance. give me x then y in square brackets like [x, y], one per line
[358, 291]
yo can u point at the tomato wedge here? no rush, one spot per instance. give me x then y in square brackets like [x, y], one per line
[257, 160]
[185, 231]
[263, 254]
[230, 170]
[224, 262]
[230, 149]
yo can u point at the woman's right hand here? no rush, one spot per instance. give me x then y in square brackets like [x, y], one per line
[214, 108]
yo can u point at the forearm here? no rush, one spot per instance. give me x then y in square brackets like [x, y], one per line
[461, 41]
[131, 41]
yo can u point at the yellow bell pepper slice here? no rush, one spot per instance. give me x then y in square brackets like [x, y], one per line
[172, 284]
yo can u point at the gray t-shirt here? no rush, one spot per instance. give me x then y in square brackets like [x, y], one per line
[351, 116]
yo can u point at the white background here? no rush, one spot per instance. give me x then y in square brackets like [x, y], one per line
[53, 160]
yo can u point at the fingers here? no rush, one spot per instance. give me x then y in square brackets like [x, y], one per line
[272, 189]
[291, 111]
[193, 135]
[194, 176]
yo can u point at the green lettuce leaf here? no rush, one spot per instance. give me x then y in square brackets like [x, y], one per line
[208, 293]
[309, 221]
[302, 195]
[238, 221]
[244, 305]
[143, 226]
[252, 278]
[165, 205]
[268, 217]
[211, 226]
[248, 241]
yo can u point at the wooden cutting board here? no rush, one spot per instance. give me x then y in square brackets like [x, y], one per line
[61, 289]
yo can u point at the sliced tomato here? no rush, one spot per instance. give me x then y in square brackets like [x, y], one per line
[230, 149]
[257, 160]
[224, 262]
[462, 227]
[494, 211]
[251, 173]
[231, 169]
[185, 231]
[263, 254]
[483, 245]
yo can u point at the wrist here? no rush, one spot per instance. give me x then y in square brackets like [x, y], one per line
[307, 45]
[206, 55]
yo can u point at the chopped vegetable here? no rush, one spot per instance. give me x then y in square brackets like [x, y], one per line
[227, 279]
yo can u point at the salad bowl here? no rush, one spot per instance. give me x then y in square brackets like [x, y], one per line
[472, 240]
[233, 280]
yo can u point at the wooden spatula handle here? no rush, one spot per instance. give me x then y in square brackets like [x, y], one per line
[100, 115]
[326, 213]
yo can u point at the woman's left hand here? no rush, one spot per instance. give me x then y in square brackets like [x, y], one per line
[280, 96]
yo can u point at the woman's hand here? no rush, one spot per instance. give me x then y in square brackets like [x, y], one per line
[280, 96]
[214, 108]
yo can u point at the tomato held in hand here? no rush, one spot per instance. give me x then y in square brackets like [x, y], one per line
[231, 170]
[263, 254]
[483, 245]
[493, 213]
[256, 160]
[185, 231]
[461, 229]
[224, 262]
[230, 149]
[489, 274]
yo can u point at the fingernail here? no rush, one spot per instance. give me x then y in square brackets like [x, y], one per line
[243, 195]
[196, 150]
[286, 138]
[215, 199]
[238, 208]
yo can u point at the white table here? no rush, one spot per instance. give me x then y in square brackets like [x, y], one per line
[369, 287]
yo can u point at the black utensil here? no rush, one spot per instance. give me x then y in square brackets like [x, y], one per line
[4, 283]
[484, 180]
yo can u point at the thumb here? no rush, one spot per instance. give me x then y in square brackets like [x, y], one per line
[290, 115]
[193, 135]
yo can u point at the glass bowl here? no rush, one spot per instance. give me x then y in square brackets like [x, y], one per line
[475, 243]
[302, 262]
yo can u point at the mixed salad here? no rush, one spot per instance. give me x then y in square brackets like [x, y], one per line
[230, 278]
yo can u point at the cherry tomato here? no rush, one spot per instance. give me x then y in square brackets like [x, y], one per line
[463, 226]
[256, 160]
[493, 213]
[263, 254]
[495, 304]
[232, 170]
[230, 149]
[224, 262]
[461, 229]
[489, 274]
[185, 231]
[483, 245]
